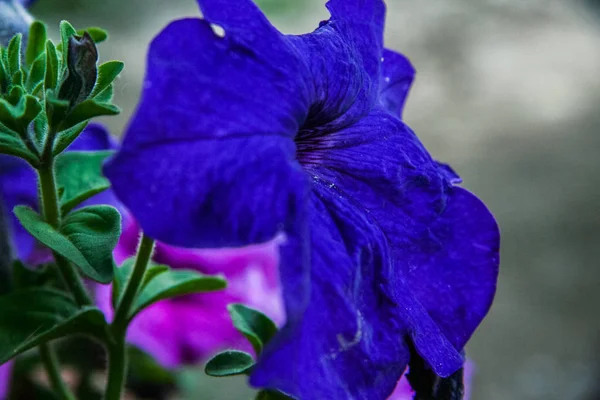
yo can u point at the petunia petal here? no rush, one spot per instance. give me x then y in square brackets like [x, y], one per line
[247, 24]
[454, 270]
[444, 240]
[208, 159]
[343, 58]
[362, 23]
[397, 75]
[17, 186]
[349, 343]
[5, 374]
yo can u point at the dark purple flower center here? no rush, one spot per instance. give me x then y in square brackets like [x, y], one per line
[312, 136]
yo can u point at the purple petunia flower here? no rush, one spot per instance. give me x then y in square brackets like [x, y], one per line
[242, 136]
[192, 328]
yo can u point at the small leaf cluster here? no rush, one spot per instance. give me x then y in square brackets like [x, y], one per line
[48, 92]
[258, 329]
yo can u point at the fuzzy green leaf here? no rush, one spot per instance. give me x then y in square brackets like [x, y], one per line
[68, 136]
[175, 283]
[79, 177]
[36, 42]
[9, 144]
[120, 278]
[107, 73]
[56, 109]
[106, 95]
[14, 54]
[40, 128]
[229, 363]
[87, 110]
[123, 273]
[87, 237]
[36, 74]
[17, 78]
[253, 324]
[18, 117]
[98, 34]
[52, 71]
[4, 75]
[66, 31]
[31, 317]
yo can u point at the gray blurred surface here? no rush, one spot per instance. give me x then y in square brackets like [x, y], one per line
[508, 92]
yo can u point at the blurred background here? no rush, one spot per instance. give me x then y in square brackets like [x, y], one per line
[508, 92]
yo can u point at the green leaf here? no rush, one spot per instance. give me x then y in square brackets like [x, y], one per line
[87, 110]
[13, 146]
[253, 324]
[68, 136]
[51, 78]
[66, 31]
[36, 74]
[17, 78]
[123, 273]
[87, 237]
[79, 177]
[229, 363]
[106, 95]
[4, 76]
[95, 231]
[107, 73]
[14, 54]
[153, 271]
[18, 117]
[40, 128]
[31, 109]
[272, 395]
[120, 278]
[36, 42]
[56, 109]
[174, 283]
[98, 34]
[30, 317]
[15, 95]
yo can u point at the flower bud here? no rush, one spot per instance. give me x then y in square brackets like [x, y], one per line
[81, 69]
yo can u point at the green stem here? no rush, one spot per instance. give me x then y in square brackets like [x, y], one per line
[133, 284]
[51, 213]
[117, 369]
[50, 362]
[117, 352]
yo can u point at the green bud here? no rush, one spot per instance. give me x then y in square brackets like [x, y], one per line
[82, 71]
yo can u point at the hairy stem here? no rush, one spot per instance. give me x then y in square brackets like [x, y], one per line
[51, 211]
[117, 364]
[117, 369]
